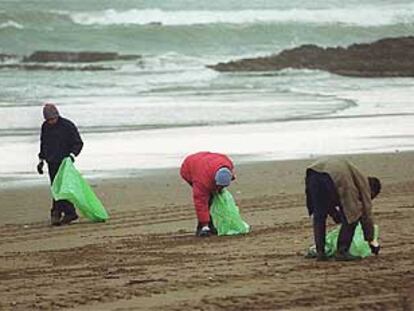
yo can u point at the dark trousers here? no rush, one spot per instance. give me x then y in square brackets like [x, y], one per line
[210, 224]
[61, 206]
[322, 200]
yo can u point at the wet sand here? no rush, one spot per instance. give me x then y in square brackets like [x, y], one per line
[147, 258]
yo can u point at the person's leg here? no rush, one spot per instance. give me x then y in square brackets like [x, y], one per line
[346, 234]
[68, 211]
[319, 232]
[316, 199]
[55, 212]
[213, 229]
[62, 206]
[68, 208]
[198, 228]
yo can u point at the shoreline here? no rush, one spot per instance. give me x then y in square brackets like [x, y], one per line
[117, 153]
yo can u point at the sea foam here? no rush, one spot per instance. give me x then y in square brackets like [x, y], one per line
[362, 16]
[11, 24]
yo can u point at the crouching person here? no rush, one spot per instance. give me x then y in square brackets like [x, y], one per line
[207, 173]
[336, 187]
[59, 139]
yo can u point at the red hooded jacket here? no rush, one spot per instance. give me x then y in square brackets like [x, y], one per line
[199, 171]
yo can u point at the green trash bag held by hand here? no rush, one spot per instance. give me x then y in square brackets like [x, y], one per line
[226, 216]
[70, 185]
[359, 246]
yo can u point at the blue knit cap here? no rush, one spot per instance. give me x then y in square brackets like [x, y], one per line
[223, 177]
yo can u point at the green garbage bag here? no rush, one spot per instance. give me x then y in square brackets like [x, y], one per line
[359, 246]
[70, 185]
[226, 216]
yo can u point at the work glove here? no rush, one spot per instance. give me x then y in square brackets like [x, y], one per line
[375, 249]
[40, 167]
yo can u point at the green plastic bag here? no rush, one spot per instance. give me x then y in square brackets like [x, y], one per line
[226, 216]
[359, 246]
[70, 185]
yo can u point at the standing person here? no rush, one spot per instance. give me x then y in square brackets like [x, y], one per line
[207, 173]
[336, 187]
[59, 139]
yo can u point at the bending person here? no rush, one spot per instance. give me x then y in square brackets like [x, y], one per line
[207, 173]
[336, 187]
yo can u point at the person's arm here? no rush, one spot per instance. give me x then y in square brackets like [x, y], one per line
[201, 198]
[368, 228]
[76, 140]
[41, 154]
[364, 193]
[367, 224]
[336, 214]
[367, 219]
[185, 175]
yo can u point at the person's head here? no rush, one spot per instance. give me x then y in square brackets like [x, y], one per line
[375, 185]
[50, 113]
[223, 178]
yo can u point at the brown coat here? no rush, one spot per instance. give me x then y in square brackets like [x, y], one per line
[352, 186]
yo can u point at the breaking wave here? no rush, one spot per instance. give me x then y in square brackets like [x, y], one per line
[11, 24]
[362, 16]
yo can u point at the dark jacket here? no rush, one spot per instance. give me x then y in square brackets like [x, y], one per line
[59, 140]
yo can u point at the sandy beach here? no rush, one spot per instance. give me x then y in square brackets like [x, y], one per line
[141, 81]
[147, 258]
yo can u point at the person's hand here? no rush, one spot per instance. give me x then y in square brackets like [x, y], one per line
[336, 215]
[375, 247]
[220, 189]
[40, 167]
[204, 232]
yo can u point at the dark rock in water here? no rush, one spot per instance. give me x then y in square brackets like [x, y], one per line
[391, 57]
[76, 57]
[4, 57]
[55, 68]
[128, 57]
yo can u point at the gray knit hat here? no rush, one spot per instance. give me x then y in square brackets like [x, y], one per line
[50, 111]
[223, 177]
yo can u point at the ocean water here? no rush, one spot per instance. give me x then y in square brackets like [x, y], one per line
[152, 111]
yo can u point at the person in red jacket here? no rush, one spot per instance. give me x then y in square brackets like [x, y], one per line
[207, 173]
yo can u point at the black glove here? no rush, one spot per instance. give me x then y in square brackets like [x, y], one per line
[40, 167]
[375, 249]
